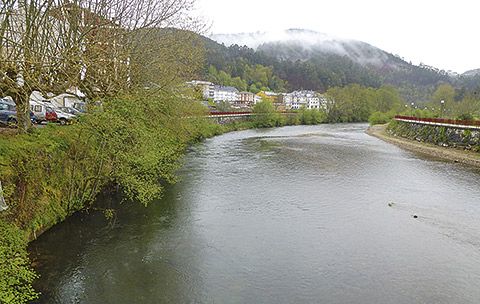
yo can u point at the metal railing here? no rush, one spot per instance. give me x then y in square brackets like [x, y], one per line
[440, 121]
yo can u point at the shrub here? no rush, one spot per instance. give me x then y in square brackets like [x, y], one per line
[16, 275]
[378, 118]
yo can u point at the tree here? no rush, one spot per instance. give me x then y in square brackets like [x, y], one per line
[223, 106]
[266, 116]
[444, 92]
[52, 45]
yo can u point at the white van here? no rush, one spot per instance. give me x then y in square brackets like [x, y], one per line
[39, 109]
[68, 100]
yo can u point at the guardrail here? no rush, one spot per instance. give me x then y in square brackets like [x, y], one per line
[474, 124]
[231, 113]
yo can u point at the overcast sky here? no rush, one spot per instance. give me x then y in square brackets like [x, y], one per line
[444, 34]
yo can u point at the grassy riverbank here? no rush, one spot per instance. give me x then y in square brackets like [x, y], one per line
[446, 153]
[135, 143]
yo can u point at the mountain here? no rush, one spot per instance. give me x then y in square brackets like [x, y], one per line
[310, 60]
[299, 44]
[472, 73]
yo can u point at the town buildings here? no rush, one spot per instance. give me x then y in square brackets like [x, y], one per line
[282, 101]
[302, 99]
[225, 93]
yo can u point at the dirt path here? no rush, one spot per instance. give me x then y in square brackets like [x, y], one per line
[451, 154]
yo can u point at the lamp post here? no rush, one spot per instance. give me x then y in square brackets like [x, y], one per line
[442, 105]
[413, 104]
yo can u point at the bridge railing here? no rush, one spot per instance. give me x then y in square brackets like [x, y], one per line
[475, 123]
[230, 113]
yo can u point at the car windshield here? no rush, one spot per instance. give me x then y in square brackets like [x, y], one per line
[6, 107]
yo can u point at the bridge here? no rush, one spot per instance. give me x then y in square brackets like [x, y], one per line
[226, 117]
[230, 114]
[441, 122]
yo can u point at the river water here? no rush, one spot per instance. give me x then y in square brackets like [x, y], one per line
[289, 215]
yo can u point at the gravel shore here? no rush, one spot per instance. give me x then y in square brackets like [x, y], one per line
[446, 153]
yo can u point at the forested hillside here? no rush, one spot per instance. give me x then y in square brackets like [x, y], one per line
[320, 65]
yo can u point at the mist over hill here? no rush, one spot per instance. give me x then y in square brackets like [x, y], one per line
[472, 73]
[298, 44]
[310, 60]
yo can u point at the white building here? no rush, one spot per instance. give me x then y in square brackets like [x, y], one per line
[323, 101]
[221, 93]
[302, 99]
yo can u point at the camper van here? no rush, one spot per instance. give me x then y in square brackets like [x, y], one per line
[38, 108]
[39, 105]
[68, 100]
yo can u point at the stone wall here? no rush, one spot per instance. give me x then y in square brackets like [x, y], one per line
[439, 135]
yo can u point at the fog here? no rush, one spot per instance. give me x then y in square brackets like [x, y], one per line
[310, 42]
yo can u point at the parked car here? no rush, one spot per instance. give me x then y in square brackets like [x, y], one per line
[56, 115]
[71, 111]
[39, 109]
[67, 100]
[8, 113]
[50, 115]
[64, 118]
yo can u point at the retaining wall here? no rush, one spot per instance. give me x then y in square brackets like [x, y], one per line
[460, 136]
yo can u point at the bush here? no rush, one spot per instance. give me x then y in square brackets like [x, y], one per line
[378, 118]
[16, 275]
[266, 116]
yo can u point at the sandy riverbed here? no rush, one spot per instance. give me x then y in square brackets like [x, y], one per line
[447, 153]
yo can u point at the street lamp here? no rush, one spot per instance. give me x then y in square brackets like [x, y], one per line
[412, 108]
[442, 105]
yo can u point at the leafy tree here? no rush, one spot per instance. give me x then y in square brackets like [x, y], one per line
[223, 106]
[355, 103]
[444, 92]
[266, 116]
[55, 45]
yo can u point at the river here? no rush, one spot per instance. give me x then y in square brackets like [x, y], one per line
[289, 215]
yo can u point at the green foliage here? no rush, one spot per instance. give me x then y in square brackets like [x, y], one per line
[378, 118]
[16, 275]
[133, 141]
[444, 92]
[311, 116]
[223, 106]
[266, 116]
[355, 103]
[243, 76]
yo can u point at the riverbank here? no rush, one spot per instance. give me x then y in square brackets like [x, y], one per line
[445, 153]
[50, 173]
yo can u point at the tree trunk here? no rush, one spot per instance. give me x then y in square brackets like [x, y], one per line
[23, 112]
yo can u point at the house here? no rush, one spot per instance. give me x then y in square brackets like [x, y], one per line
[323, 102]
[245, 100]
[301, 99]
[223, 93]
